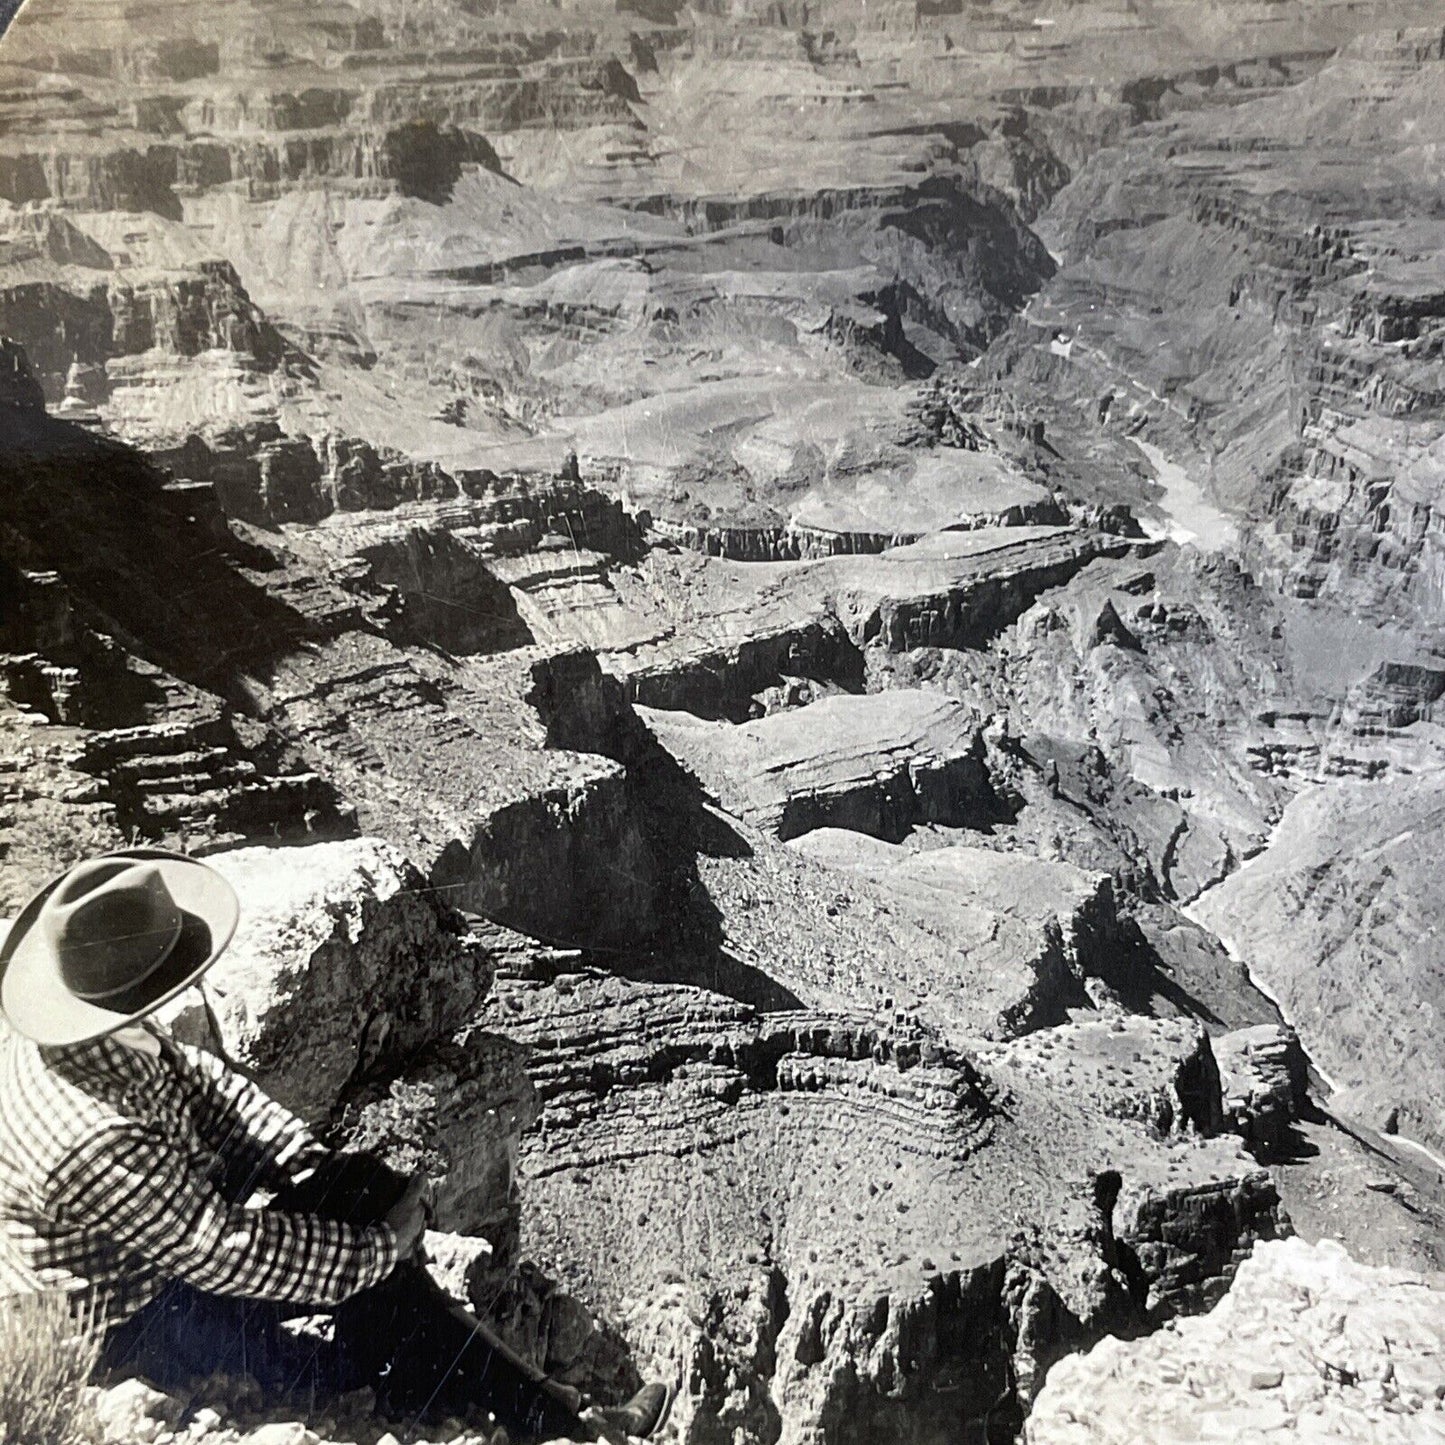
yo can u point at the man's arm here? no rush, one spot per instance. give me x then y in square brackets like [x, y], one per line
[259, 1139]
[128, 1184]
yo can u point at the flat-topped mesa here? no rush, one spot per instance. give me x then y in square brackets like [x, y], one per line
[1160, 1072]
[1025, 936]
[879, 764]
[721, 676]
[960, 589]
[798, 541]
[812, 628]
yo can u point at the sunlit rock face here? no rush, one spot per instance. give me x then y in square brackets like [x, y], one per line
[1307, 1341]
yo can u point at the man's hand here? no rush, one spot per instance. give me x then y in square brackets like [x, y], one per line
[409, 1216]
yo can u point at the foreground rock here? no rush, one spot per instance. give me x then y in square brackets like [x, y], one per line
[1307, 1345]
[349, 992]
[344, 963]
[228, 1411]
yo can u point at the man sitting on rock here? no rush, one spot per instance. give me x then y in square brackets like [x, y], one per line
[127, 1163]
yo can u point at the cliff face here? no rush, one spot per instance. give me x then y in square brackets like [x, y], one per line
[416, 158]
[1296, 913]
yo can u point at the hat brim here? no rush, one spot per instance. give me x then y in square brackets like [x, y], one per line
[34, 998]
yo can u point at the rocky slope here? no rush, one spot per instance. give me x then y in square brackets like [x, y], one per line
[1307, 1341]
[835, 610]
[1338, 917]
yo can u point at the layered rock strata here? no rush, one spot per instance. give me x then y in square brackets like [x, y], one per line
[462, 354]
[834, 1290]
[875, 764]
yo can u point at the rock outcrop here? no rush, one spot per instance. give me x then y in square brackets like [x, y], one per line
[1307, 1342]
[875, 764]
[1263, 1079]
[345, 964]
[831, 1290]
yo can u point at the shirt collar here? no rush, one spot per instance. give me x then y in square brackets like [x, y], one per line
[138, 1039]
[107, 1059]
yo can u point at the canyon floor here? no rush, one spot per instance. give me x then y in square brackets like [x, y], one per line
[814, 636]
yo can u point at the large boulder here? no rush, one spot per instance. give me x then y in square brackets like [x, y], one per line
[344, 962]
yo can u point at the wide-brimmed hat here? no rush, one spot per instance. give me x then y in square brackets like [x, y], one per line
[110, 940]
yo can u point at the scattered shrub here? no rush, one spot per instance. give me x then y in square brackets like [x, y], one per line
[46, 1359]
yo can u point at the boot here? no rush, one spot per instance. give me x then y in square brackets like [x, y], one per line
[637, 1419]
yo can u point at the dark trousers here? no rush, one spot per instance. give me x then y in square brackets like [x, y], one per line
[402, 1337]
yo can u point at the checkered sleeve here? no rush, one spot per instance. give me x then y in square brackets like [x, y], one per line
[128, 1185]
[241, 1122]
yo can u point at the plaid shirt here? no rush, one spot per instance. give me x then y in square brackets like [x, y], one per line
[118, 1171]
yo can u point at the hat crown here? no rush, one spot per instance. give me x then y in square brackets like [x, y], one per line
[111, 923]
